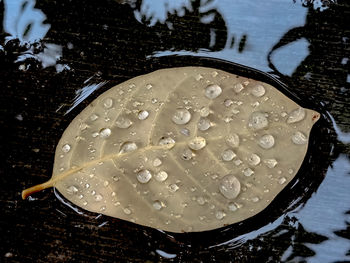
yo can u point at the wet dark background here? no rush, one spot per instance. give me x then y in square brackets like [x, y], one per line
[57, 56]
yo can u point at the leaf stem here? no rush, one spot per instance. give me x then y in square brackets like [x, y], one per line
[36, 188]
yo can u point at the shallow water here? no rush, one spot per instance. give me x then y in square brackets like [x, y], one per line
[57, 57]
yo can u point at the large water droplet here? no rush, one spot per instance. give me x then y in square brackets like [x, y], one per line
[185, 131]
[93, 117]
[267, 141]
[173, 188]
[258, 120]
[66, 148]
[220, 215]
[282, 180]
[127, 211]
[213, 91]
[168, 141]
[229, 186]
[232, 207]
[258, 90]
[197, 143]
[144, 176]
[204, 111]
[158, 205]
[128, 147]
[233, 140]
[181, 116]
[161, 176]
[248, 172]
[107, 103]
[203, 124]
[271, 163]
[296, 115]
[254, 159]
[187, 154]
[72, 189]
[157, 162]
[228, 155]
[123, 122]
[105, 132]
[142, 115]
[238, 87]
[299, 138]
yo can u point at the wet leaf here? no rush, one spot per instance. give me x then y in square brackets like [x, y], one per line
[182, 149]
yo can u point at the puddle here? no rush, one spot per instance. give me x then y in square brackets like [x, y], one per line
[55, 61]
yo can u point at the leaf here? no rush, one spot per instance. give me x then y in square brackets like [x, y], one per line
[182, 149]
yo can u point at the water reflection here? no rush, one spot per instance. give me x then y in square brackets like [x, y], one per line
[247, 45]
[23, 21]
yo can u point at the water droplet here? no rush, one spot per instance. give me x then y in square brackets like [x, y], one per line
[85, 203]
[237, 162]
[106, 183]
[232, 207]
[258, 90]
[87, 186]
[105, 132]
[228, 102]
[258, 121]
[267, 141]
[299, 138]
[123, 122]
[248, 172]
[103, 208]
[204, 111]
[290, 171]
[144, 176]
[181, 116]
[213, 91]
[187, 155]
[220, 215]
[185, 131]
[197, 143]
[158, 205]
[107, 103]
[149, 86]
[127, 211]
[66, 148]
[72, 189]
[80, 196]
[255, 199]
[282, 180]
[142, 115]
[228, 155]
[229, 186]
[233, 140]
[157, 162]
[128, 147]
[238, 87]
[161, 176]
[296, 115]
[98, 198]
[94, 134]
[173, 188]
[201, 200]
[116, 178]
[203, 124]
[170, 142]
[254, 159]
[271, 163]
[93, 117]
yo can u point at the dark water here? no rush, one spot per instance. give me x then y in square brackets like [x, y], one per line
[57, 56]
